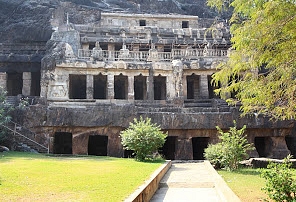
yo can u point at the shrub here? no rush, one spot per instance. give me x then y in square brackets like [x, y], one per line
[143, 137]
[231, 150]
[280, 184]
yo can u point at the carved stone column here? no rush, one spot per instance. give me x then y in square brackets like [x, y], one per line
[89, 86]
[204, 89]
[184, 83]
[131, 90]
[3, 80]
[150, 88]
[184, 149]
[279, 148]
[26, 83]
[110, 86]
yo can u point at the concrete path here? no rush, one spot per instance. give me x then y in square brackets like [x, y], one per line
[196, 181]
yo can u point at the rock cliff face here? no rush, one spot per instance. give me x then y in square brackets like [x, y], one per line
[23, 21]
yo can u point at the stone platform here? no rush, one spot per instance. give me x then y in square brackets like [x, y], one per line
[196, 181]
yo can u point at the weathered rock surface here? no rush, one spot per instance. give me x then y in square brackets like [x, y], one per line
[29, 20]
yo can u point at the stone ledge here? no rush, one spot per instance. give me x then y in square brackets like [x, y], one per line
[146, 191]
[224, 192]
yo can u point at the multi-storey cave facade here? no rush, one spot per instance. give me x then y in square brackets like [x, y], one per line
[96, 78]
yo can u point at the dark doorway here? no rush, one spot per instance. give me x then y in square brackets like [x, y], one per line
[35, 84]
[159, 87]
[140, 87]
[128, 154]
[261, 146]
[14, 84]
[198, 146]
[169, 148]
[100, 86]
[212, 88]
[192, 86]
[77, 87]
[185, 24]
[97, 145]
[142, 22]
[291, 144]
[62, 143]
[120, 87]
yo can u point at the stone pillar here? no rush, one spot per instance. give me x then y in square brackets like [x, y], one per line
[3, 80]
[278, 149]
[170, 87]
[110, 86]
[184, 149]
[184, 82]
[26, 83]
[204, 89]
[150, 85]
[89, 86]
[131, 90]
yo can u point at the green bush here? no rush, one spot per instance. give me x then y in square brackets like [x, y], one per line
[143, 137]
[231, 150]
[280, 183]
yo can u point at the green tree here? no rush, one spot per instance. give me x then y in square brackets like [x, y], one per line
[280, 182]
[231, 150]
[4, 115]
[261, 69]
[143, 137]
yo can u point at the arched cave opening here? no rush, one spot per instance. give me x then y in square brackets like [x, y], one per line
[62, 143]
[77, 87]
[98, 145]
[169, 148]
[159, 87]
[291, 144]
[120, 87]
[100, 86]
[199, 144]
[261, 146]
[192, 86]
[140, 87]
[14, 83]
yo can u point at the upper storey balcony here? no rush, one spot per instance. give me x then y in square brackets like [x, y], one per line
[152, 55]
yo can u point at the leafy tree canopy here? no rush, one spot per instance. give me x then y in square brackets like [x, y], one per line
[261, 69]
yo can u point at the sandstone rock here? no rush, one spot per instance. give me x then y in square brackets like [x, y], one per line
[3, 149]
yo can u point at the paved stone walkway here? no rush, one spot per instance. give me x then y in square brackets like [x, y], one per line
[193, 182]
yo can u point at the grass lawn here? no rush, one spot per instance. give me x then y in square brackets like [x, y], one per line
[36, 177]
[246, 183]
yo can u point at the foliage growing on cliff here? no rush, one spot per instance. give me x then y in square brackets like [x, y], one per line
[280, 182]
[231, 150]
[143, 137]
[261, 69]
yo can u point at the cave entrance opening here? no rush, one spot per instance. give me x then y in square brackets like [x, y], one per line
[261, 145]
[199, 144]
[120, 87]
[192, 86]
[62, 143]
[291, 144]
[140, 87]
[100, 86]
[35, 84]
[169, 148]
[159, 87]
[98, 145]
[14, 83]
[77, 86]
[128, 154]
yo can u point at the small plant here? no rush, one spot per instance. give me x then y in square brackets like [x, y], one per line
[143, 137]
[280, 184]
[231, 150]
